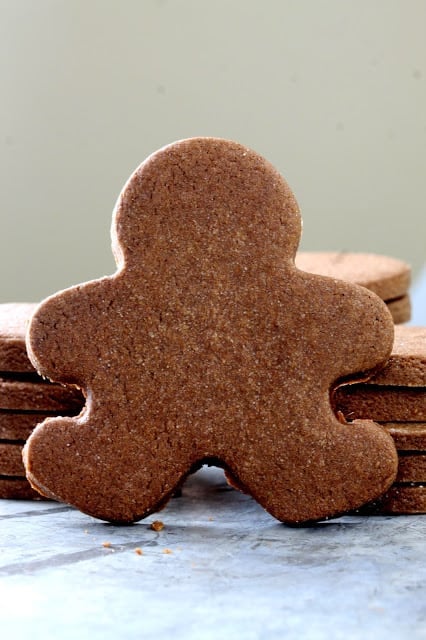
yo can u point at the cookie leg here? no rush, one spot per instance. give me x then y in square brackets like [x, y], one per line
[311, 479]
[82, 465]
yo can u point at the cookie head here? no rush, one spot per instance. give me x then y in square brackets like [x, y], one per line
[209, 345]
[204, 198]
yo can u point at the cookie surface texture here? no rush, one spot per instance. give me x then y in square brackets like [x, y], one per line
[208, 344]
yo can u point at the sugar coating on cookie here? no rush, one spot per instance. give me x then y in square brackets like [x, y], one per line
[208, 344]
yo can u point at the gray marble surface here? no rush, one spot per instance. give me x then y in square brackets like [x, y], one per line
[232, 571]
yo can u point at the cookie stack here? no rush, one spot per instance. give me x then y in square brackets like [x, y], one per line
[25, 399]
[396, 398]
[387, 277]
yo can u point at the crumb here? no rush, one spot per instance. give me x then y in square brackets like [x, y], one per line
[138, 551]
[107, 545]
[157, 525]
[167, 551]
[211, 519]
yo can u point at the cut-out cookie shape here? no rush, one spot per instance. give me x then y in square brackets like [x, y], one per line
[209, 345]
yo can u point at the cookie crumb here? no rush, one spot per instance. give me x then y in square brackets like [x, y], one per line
[107, 545]
[167, 551]
[138, 551]
[157, 525]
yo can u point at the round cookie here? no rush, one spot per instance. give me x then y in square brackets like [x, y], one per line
[11, 463]
[407, 364]
[39, 396]
[381, 403]
[17, 488]
[400, 309]
[400, 499]
[19, 425]
[208, 344]
[412, 467]
[408, 436]
[14, 318]
[388, 277]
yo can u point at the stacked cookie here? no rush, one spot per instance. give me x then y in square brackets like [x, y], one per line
[25, 399]
[387, 277]
[396, 398]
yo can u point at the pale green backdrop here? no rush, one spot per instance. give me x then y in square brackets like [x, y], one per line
[333, 92]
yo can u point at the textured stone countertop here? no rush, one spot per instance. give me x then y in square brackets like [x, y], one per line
[220, 568]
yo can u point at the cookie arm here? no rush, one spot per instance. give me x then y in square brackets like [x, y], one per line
[348, 317]
[52, 342]
[369, 332]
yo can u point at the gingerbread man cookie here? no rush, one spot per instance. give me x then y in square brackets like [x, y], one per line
[208, 345]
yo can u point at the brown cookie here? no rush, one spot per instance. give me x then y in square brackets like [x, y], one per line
[39, 396]
[407, 364]
[19, 425]
[400, 309]
[401, 499]
[14, 318]
[17, 488]
[388, 277]
[411, 467]
[11, 463]
[407, 435]
[382, 404]
[209, 345]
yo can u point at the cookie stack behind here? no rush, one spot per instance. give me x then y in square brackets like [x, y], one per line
[387, 277]
[396, 398]
[25, 399]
